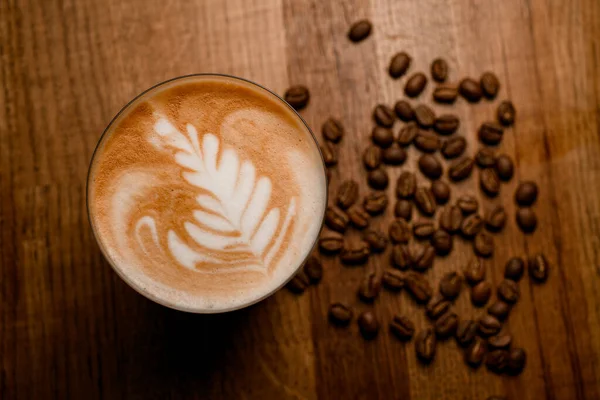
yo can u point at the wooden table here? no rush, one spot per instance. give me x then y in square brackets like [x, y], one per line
[70, 328]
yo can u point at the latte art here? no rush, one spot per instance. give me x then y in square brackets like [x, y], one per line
[207, 193]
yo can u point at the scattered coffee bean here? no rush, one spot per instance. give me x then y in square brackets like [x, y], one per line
[299, 282]
[483, 244]
[424, 116]
[461, 169]
[467, 204]
[355, 254]
[504, 167]
[376, 240]
[347, 193]
[408, 133]
[471, 225]
[526, 219]
[445, 326]
[393, 155]
[490, 133]
[489, 85]
[422, 257]
[402, 327]
[425, 201]
[332, 130]
[297, 96]
[470, 90]
[480, 293]
[368, 324]
[442, 242]
[485, 158]
[369, 287]
[423, 229]
[489, 325]
[372, 157]
[399, 231]
[393, 280]
[406, 185]
[425, 345]
[475, 354]
[474, 272]
[378, 178]
[427, 142]
[358, 217]
[401, 257]
[331, 243]
[446, 94]
[382, 137]
[340, 314]
[496, 360]
[441, 191]
[375, 203]
[451, 219]
[384, 116]
[539, 268]
[526, 193]
[313, 269]
[514, 269]
[329, 153]
[450, 285]
[399, 65]
[418, 286]
[508, 291]
[430, 166]
[403, 209]
[404, 111]
[439, 70]
[415, 84]
[437, 307]
[466, 331]
[501, 341]
[360, 30]
[489, 182]
[499, 309]
[516, 361]
[506, 113]
[495, 219]
[336, 219]
[454, 147]
[446, 124]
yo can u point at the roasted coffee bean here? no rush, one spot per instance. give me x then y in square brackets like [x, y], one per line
[495, 219]
[514, 269]
[461, 169]
[299, 282]
[375, 203]
[340, 314]
[347, 193]
[355, 254]
[490, 133]
[336, 219]
[441, 191]
[445, 94]
[470, 90]
[358, 217]
[446, 124]
[439, 70]
[485, 158]
[331, 243]
[489, 182]
[504, 167]
[516, 361]
[425, 345]
[332, 130]
[467, 204]
[526, 193]
[297, 96]
[422, 257]
[399, 64]
[402, 327]
[360, 30]
[369, 287]
[404, 111]
[538, 267]
[466, 331]
[403, 209]
[526, 219]
[471, 225]
[378, 178]
[372, 157]
[424, 116]
[393, 280]
[445, 326]
[415, 84]
[475, 354]
[483, 244]
[496, 360]
[450, 285]
[406, 185]
[489, 85]
[384, 116]
[329, 153]
[442, 242]
[474, 272]
[437, 306]
[508, 291]
[451, 219]
[499, 309]
[377, 240]
[313, 269]
[430, 166]
[401, 257]
[408, 133]
[368, 324]
[480, 293]
[399, 231]
[427, 142]
[506, 113]
[423, 229]
[393, 155]
[425, 201]
[418, 286]
[382, 137]
[501, 341]
[454, 147]
[489, 325]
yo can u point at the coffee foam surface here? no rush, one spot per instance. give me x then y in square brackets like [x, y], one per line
[206, 193]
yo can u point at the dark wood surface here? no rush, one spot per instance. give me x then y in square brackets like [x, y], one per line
[70, 328]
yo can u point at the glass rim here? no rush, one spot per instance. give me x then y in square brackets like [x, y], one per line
[152, 296]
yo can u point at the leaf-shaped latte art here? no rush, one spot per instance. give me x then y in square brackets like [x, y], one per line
[232, 215]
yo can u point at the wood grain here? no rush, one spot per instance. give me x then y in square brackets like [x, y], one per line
[70, 328]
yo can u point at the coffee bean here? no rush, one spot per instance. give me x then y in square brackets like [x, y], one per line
[526, 193]
[454, 147]
[378, 179]
[451, 219]
[424, 116]
[467, 204]
[402, 327]
[489, 182]
[442, 242]
[446, 124]
[360, 30]
[425, 345]
[489, 85]
[490, 133]
[427, 142]
[382, 137]
[299, 282]
[439, 70]
[375, 203]
[437, 307]
[369, 287]
[499, 309]
[329, 153]
[430, 166]
[372, 157]
[297, 96]
[313, 269]
[516, 361]
[500, 341]
[358, 217]
[489, 325]
[423, 229]
[368, 324]
[331, 243]
[514, 269]
[461, 169]
[474, 272]
[418, 287]
[376, 240]
[446, 94]
[394, 155]
[445, 326]
[425, 201]
[332, 130]
[422, 257]
[403, 209]
[336, 219]
[506, 113]
[483, 244]
[485, 158]
[399, 64]
[404, 111]
[466, 331]
[441, 191]
[401, 257]
[450, 285]
[347, 193]
[355, 254]
[384, 116]
[399, 231]
[415, 84]
[475, 354]
[526, 219]
[504, 167]
[393, 280]
[408, 133]
[406, 185]
[340, 314]
[471, 225]
[539, 268]
[480, 293]
[470, 90]
[508, 291]
[495, 219]
[496, 360]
